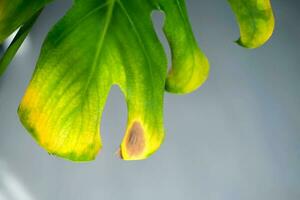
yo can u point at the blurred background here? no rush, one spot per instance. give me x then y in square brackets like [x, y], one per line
[237, 138]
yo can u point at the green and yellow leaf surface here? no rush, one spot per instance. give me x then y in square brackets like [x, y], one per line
[101, 43]
[256, 21]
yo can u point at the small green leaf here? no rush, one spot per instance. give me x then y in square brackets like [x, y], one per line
[14, 13]
[190, 66]
[100, 43]
[16, 43]
[256, 21]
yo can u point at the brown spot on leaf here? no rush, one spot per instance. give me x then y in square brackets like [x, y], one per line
[135, 141]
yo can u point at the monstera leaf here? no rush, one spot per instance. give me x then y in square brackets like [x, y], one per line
[16, 43]
[256, 21]
[100, 43]
[14, 13]
[96, 45]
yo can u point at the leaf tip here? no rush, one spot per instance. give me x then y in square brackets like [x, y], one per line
[191, 74]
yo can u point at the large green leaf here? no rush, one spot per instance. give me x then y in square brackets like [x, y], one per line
[256, 21]
[97, 44]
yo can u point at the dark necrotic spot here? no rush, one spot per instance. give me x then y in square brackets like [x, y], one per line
[135, 142]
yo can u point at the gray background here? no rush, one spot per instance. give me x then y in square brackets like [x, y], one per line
[237, 138]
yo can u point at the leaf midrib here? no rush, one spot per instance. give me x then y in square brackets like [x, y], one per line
[139, 41]
[100, 43]
[111, 4]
